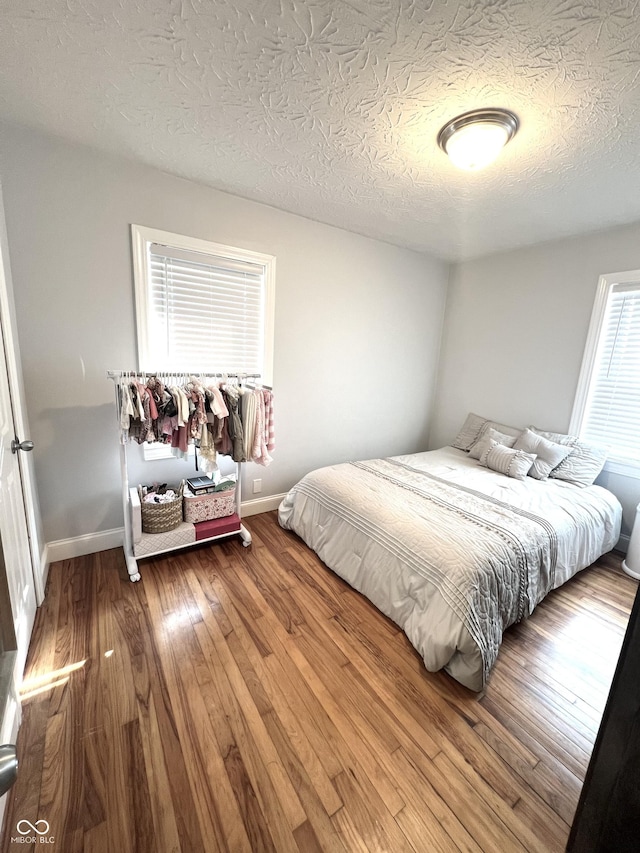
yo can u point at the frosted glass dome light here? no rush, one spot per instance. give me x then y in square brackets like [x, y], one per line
[475, 139]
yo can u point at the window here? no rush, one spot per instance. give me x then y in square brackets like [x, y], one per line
[607, 405]
[202, 306]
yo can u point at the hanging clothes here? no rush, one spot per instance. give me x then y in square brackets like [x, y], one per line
[218, 417]
[269, 432]
[234, 423]
[265, 431]
[126, 406]
[248, 409]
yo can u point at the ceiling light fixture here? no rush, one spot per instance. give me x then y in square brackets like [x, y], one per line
[475, 139]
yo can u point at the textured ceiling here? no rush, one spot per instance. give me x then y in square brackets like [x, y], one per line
[331, 109]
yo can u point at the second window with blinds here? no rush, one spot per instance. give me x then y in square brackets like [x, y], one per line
[201, 306]
[607, 404]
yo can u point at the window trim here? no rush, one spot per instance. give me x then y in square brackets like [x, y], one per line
[605, 284]
[141, 239]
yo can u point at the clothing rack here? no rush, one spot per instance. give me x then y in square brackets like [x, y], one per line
[179, 377]
[171, 378]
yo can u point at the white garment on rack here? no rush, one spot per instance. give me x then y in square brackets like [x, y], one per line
[182, 403]
[249, 413]
[138, 399]
[126, 406]
[207, 455]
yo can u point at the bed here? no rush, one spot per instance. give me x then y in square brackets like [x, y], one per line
[450, 550]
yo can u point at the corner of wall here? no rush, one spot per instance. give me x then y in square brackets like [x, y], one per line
[435, 394]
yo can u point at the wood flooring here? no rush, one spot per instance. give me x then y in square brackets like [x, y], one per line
[249, 700]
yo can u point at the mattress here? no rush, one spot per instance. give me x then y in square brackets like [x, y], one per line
[451, 551]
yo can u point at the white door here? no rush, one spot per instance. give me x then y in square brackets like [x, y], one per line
[17, 586]
[13, 524]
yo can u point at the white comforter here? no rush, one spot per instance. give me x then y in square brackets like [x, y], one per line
[454, 553]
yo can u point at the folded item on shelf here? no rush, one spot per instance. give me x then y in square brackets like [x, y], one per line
[179, 537]
[160, 498]
[207, 486]
[217, 527]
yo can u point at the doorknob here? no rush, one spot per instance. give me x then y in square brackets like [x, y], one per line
[17, 445]
[8, 767]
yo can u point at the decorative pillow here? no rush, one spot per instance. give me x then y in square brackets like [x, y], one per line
[482, 444]
[474, 428]
[549, 454]
[470, 432]
[584, 462]
[506, 460]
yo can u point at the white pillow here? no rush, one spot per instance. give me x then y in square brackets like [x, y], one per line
[549, 454]
[584, 462]
[506, 460]
[482, 444]
[474, 428]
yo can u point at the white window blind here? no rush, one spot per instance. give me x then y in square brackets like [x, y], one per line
[207, 311]
[612, 408]
[202, 306]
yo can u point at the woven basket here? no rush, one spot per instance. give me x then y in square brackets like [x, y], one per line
[159, 518]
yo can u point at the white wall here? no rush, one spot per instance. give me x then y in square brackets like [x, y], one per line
[515, 328]
[357, 322]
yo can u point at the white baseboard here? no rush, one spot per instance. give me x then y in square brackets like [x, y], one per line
[258, 505]
[78, 546]
[91, 543]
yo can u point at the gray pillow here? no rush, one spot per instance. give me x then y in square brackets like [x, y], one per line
[474, 428]
[549, 454]
[482, 444]
[584, 462]
[506, 460]
[470, 432]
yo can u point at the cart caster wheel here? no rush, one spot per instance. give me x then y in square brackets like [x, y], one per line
[134, 578]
